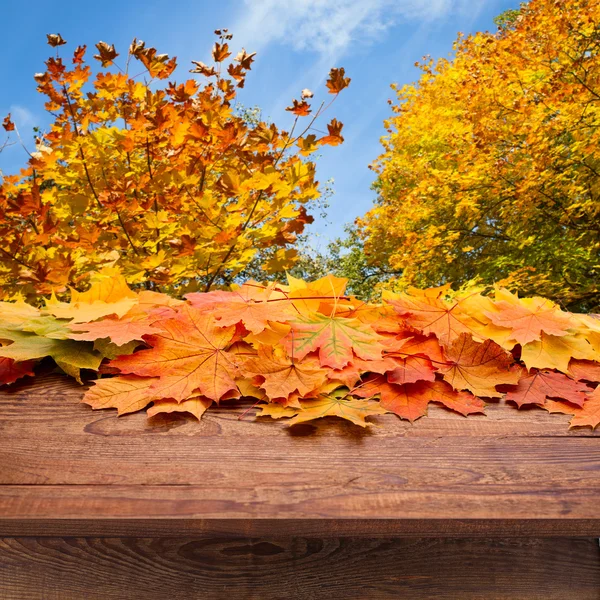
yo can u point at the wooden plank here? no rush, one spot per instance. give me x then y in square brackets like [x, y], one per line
[299, 568]
[62, 462]
[441, 504]
[288, 528]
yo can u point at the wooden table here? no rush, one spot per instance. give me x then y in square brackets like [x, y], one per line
[95, 506]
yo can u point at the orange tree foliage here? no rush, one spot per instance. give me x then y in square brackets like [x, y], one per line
[491, 166]
[305, 350]
[160, 178]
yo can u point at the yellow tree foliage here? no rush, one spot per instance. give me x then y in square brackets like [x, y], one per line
[163, 180]
[492, 162]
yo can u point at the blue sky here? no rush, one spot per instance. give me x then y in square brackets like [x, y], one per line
[297, 41]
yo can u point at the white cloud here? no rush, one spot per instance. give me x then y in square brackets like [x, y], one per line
[22, 116]
[330, 27]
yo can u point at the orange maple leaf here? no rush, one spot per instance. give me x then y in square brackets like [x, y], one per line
[282, 376]
[478, 367]
[188, 355]
[431, 314]
[120, 331]
[538, 386]
[410, 401]
[528, 317]
[588, 414]
[587, 370]
[414, 357]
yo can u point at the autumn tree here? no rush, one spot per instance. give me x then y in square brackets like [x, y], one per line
[491, 169]
[163, 179]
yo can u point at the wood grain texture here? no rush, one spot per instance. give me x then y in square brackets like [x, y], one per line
[298, 568]
[514, 472]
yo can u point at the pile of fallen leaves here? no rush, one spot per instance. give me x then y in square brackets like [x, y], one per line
[305, 350]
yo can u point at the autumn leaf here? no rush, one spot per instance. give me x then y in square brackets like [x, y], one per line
[254, 315]
[127, 393]
[220, 52]
[432, 314]
[299, 108]
[334, 136]
[410, 401]
[188, 355]
[527, 318]
[109, 294]
[478, 367]
[281, 375]
[586, 415]
[8, 124]
[555, 352]
[539, 386]
[337, 81]
[106, 53]
[337, 340]
[414, 358]
[70, 355]
[119, 331]
[46, 326]
[55, 39]
[334, 404]
[10, 370]
[586, 370]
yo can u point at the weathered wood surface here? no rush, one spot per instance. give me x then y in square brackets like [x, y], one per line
[298, 569]
[68, 470]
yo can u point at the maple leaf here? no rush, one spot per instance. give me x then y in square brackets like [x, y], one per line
[126, 393]
[282, 376]
[106, 53]
[337, 340]
[188, 355]
[410, 401]
[334, 136]
[478, 367]
[413, 357]
[109, 294]
[431, 314]
[47, 326]
[244, 58]
[55, 40]
[333, 404]
[119, 331]
[254, 315]
[10, 370]
[584, 369]
[197, 406]
[299, 108]
[538, 386]
[337, 80]
[17, 313]
[308, 297]
[527, 318]
[586, 415]
[8, 124]
[69, 355]
[554, 352]
[110, 350]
